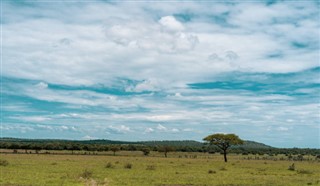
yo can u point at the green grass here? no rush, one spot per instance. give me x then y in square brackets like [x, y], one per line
[41, 169]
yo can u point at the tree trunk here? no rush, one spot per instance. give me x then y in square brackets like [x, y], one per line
[225, 155]
[165, 154]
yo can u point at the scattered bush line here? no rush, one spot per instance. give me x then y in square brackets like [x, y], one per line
[249, 147]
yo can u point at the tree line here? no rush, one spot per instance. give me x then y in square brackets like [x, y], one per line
[160, 146]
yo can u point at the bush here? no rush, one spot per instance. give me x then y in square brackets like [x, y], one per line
[109, 165]
[211, 172]
[86, 174]
[292, 167]
[146, 151]
[4, 163]
[128, 166]
[151, 167]
[304, 172]
[223, 169]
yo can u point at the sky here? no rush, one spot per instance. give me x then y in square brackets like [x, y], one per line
[161, 70]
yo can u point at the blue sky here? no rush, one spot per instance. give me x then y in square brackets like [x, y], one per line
[161, 70]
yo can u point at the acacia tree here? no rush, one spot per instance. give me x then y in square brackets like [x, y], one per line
[223, 141]
[165, 149]
[114, 149]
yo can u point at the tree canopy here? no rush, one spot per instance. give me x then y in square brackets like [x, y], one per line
[224, 141]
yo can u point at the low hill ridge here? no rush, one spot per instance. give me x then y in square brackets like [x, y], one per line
[174, 143]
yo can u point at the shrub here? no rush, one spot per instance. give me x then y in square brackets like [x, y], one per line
[304, 171]
[292, 167]
[86, 174]
[211, 172]
[151, 167]
[4, 163]
[128, 166]
[109, 165]
[223, 169]
[146, 151]
[300, 157]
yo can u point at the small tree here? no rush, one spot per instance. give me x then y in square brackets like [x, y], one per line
[223, 141]
[146, 151]
[114, 149]
[165, 149]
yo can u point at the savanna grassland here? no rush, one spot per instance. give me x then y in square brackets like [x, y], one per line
[132, 168]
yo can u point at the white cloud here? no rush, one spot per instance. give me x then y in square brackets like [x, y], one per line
[46, 127]
[64, 127]
[175, 130]
[148, 130]
[188, 130]
[161, 127]
[185, 42]
[122, 35]
[146, 85]
[171, 24]
[42, 85]
[87, 137]
[122, 129]
[140, 48]
[32, 118]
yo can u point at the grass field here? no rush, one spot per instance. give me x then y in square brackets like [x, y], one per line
[131, 168]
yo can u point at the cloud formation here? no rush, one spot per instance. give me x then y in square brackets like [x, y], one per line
[166, 70]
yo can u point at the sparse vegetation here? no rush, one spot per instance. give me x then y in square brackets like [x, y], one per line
[128, 166]
[109, 165]
[292, 167]
[86, 174]
[211, 171]
[223, 169]
[191, 164]
[302, 171]
[4, 163]
[151, 167]
[155, 169]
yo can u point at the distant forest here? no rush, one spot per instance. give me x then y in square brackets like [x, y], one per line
[249, 147]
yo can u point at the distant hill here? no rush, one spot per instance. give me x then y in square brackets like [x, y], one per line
[189, 143]
[174, 143]
[98, 141]
[252, 145]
